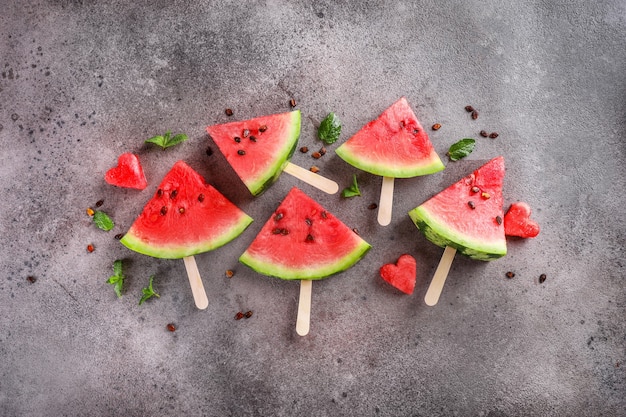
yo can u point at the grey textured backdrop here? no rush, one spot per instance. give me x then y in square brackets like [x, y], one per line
[83, 81]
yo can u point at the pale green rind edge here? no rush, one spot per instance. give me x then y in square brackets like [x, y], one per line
[443, 236]
[272, 173]
[435, 165]
[309, 273]
[132, 242]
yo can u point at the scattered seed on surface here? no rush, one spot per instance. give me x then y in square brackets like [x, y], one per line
[373, 206]
[322, 151]
[475, 189]
[163, 211]
[314, 169]
[542, 278]
[245, 133]
[31, 279]
[229, 273]
[171, 327]
[437, 126]
[304, 149]
[209, 151]
[493, 135]
[99, 203]
[241, 152]
[510, 274]
[90, 211]
[486, 196]
[173, 194]
[252, 138]
[229, 112]
[90, 248]
[316, 155]
[247, 314]
[474, 115]
[292, 102]
[239, 315]
[201, 198]
[119, 236]
[237, 139]
[499, 220]
[263, 128]
[484, 134]
[471, 204]
[469, 109]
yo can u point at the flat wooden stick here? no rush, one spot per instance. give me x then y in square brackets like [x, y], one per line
[311, 178]
[197, 289]
[386, 201]
[304, 307]
[436, 285]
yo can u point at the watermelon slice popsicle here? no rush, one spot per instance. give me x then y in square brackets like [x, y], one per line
[185, 217]
[465, 217]
[259, 150]
[394, 145]
[303, 241]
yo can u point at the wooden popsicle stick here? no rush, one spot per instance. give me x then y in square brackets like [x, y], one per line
[436, 285]
[311, 178]
[303, 321]
[197, 289]
[386, 201]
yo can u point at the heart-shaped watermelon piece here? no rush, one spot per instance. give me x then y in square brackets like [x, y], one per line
[517, 221]
[401, 274]
[128, 173]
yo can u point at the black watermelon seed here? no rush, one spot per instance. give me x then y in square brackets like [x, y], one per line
[277, 231]
[252, 138]
[310, 238]
[241, 152]
[484, 134]
[160, 192]
[475, 189]
[99, 203]
[542, 278]
[510, 274]
[163, 211]
[237, 139]
[173, 194]
[201, 198]
[471, 204]
[247, 314]
[278, 216]
[263, 128]
[284, 232]
[308, 221]
[239, 316]
[119, 236]
[498, 220]
[181, 210]
[31, 279]
[229, 112]
[324, 215]
[245, 133]
[469, 109]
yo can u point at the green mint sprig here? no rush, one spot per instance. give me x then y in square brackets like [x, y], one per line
[329, 129]
[352, 190]
[167, 140]
[148, 292]
[103, 221]
[117, 279]
[461, 149]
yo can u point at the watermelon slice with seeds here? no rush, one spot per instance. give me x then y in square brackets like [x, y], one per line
[258, 149]
[468, 214]
[393, 145]
[186, 216]
[302, 240]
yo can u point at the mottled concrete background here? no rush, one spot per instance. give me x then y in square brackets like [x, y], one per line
[83, 81]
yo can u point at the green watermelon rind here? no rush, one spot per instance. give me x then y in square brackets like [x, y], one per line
[311, 272]
[442, 235]
[424, 167]
[135, 243]
[272, 173]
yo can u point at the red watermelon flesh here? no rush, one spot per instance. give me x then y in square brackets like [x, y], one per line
[517, 221]
[468, 214]
[303, 240]
[401, 274]
[128, 173]
[258, 149]
[186, 216]
[393, 145]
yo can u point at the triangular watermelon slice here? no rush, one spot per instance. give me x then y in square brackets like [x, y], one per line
[393, 145]
[258, 149]
[468, 215]
[302, 240]
[185, 217]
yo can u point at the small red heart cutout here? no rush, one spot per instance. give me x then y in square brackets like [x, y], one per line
[128, 173]
[517, 221]
[401, 274]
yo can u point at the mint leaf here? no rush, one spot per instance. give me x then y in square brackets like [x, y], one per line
[117, 280]
[461, 149]
[166, 140]
[329, 129]
[352, 190]
[103, 221]
[148, 292]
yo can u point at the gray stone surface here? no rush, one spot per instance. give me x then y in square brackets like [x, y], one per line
[83, 81]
